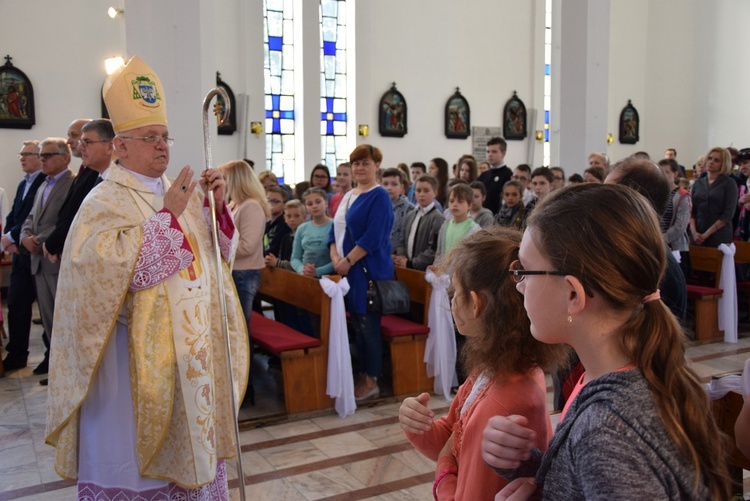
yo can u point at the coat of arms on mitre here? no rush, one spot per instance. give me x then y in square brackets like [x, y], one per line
[145, 89]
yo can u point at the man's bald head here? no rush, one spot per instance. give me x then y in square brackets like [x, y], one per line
[74, 135]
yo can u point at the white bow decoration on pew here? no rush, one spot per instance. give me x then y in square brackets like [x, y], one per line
[340, 383]
[736, 383]
[440, 350]
[728, 300]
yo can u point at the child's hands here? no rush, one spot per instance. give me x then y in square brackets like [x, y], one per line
[309, 270]
[414, 415]
[507, 441]
[519, 489]
[271, 260]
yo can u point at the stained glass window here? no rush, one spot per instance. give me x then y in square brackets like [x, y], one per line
[547, 78]
[278, 68]
[333, 105]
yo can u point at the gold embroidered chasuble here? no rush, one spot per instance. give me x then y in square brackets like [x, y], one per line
[183, 415]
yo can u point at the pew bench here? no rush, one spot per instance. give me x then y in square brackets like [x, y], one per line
[304, 359]
[407, 339]
[706, 297]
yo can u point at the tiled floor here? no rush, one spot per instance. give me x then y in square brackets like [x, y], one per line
[322, 457]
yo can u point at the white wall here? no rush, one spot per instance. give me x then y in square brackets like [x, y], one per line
[429, 48]
[61, 46]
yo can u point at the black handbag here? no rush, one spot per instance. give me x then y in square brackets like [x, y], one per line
[387, 297]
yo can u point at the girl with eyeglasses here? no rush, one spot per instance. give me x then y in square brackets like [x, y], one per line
[638, 424]
[503, 362]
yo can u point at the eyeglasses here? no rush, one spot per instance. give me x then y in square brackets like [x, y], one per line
[47, 156]
[26, 155]
[274, 201]
[89, 142]
[152, 140]
[517, 273]
[519, 178]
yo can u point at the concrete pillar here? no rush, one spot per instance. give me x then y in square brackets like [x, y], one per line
[583, 69]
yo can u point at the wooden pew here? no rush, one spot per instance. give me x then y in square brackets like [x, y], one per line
[304, 359]
[706, 298]
[742, 256]
[407, 339]
[725, 411]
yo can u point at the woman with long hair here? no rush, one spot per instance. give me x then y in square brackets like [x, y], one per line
[438, 168]
[714, 201]
[247, 199]
[504, 366]
[638, 424]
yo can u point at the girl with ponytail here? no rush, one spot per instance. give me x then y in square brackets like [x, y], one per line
[638, 425]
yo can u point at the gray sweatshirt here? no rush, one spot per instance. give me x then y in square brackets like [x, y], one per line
[612, 445]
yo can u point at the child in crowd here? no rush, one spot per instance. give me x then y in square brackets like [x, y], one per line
[276, 228]
[503, 361]
[461, 225]
[511, 213]
[421, 227]
[541, 185]
[300, 188]
[575, 179]
[559, 175]
[638, 424]
[294, 215]
[416, 169]
[479, 213]
[393, 182]
[522, 174]
[484, 167]
[310, 255]
[344, 182]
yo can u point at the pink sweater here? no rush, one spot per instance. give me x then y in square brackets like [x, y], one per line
[250, 223]
[523, 395]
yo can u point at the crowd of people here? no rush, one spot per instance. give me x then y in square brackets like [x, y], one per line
[598, 265]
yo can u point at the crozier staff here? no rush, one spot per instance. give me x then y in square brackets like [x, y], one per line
[139, 399]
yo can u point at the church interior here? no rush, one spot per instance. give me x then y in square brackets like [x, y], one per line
[575, 65]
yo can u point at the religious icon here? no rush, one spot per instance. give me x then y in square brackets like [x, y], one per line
[392, 113]
[514, 118]
[231, 125]
[16, 98]
[457, 117]
[629, 124]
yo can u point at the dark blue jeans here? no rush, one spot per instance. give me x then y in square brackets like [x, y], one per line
[369, 342]
[247, 283]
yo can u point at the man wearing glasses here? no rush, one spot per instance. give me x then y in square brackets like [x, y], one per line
[22, 289]
[95, 149]
[139, 398]
[41, 222]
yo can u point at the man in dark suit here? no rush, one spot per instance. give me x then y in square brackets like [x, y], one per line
[95, 148]
[40, 223]
[497, 175]
[21, 290]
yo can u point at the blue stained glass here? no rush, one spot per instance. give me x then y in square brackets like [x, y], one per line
[276, 126]
[329, 48]
[546, 134]
[341, 117]
[546, 116]
[275, 43]
[280, 179]
[329, 104]
[287, 114]
[329, 128]
[275, 99]
[547, 69]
